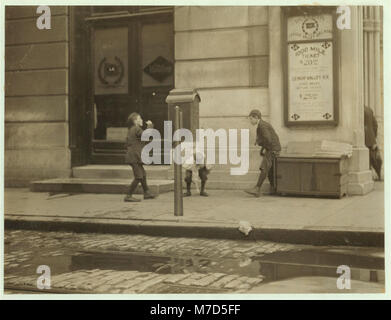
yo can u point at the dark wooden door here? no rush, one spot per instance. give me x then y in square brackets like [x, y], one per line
[133, 62]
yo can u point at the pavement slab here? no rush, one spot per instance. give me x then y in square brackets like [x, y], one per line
[273, 218]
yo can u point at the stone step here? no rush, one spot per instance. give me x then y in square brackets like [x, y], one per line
[218, 179]
[116, 186]
[96, 171]
[225, 175]
[229, 185]
[223, 180]
[236, 185]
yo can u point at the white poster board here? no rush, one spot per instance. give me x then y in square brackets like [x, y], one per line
[310, 82]
[310, 69]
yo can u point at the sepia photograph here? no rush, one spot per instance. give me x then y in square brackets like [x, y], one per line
[193, 149]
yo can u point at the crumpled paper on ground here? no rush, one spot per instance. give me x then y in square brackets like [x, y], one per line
[245, 227]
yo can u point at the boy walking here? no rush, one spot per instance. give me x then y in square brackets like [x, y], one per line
[133, 157]
[270, 145]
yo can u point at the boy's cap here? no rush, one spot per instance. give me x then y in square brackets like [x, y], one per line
[255, 113]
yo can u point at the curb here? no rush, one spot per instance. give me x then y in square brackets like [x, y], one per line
[190, 229]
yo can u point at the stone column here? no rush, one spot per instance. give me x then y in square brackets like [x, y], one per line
[276, 107]
[372, 65]
[352, 88]
[372, 58]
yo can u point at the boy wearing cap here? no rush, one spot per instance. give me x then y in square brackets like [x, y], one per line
[270, 145]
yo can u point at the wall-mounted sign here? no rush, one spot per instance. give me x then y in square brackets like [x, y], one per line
[314, 27]
[159, 69]
[310, 82]
[310, 71]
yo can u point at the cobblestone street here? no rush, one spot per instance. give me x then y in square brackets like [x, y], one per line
[106, 263]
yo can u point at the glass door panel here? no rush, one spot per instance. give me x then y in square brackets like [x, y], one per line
[157, 69]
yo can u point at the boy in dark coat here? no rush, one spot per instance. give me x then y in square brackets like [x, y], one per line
[133, 156]
[268, 139]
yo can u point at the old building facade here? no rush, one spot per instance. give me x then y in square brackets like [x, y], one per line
[70, 88]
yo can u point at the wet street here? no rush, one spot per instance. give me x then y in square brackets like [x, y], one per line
[107, 263]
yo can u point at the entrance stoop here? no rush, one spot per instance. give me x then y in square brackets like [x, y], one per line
[106, 179]
[220, 179]
[115, 179]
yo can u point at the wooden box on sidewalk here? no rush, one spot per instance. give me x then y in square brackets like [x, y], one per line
[312, 175]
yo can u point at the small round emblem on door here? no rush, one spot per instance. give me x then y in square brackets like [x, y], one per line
[111, 73]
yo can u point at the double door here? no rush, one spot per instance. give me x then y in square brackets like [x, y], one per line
[133, 71]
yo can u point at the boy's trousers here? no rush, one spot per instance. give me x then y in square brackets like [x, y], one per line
[202, 173]
[267, 168]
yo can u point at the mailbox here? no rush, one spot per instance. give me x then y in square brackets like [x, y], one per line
[188, 100]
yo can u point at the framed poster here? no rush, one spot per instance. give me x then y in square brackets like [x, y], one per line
[310, 67]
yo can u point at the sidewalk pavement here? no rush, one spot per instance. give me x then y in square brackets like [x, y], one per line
[356, 220]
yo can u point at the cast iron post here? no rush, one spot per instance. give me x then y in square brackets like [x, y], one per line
[178, 192]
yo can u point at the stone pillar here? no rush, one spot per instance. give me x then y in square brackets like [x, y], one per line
[371, 17]
[372, 66]
[352, 88]
[276, 107]
[377, 72]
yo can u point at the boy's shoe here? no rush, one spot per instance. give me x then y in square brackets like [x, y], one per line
[130, 198]
[204, 194]
[187, 194]
[271, 192]
[254, 191]
[148, 195]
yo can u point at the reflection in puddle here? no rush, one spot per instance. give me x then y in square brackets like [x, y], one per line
[271, 267]
[366, 264]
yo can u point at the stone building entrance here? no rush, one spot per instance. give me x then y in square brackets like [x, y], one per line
[131, 70]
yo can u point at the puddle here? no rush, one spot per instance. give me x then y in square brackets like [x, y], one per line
[272, 267]
[366, 264]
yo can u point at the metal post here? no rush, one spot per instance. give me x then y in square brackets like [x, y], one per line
[178, 192]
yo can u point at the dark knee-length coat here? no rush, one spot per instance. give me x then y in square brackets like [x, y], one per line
[134, 145]
[370, 124]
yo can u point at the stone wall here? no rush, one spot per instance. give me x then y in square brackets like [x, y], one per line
[233, 57]
[223, 52]
[36, 96]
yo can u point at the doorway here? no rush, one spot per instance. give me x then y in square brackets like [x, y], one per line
[132, 66]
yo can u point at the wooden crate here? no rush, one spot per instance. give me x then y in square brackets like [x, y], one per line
[312, 176]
